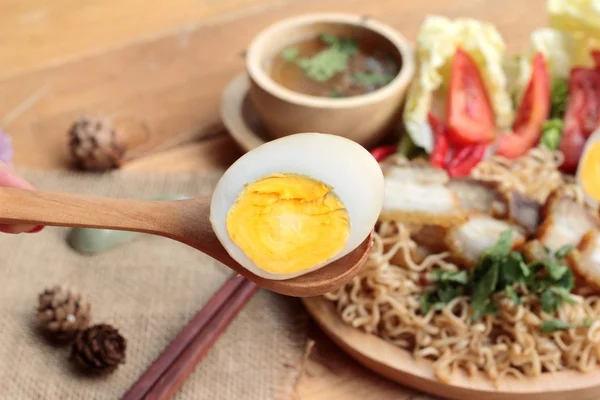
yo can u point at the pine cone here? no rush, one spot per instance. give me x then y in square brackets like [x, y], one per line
[99, 348]
[93, 144]
[61, 314]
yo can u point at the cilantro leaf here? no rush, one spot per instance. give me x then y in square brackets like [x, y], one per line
[483, 290]
[554, 325]
[513, 295]
[333, 60]
[513, 269]
[502, 246]
[567, 281]
[552, 131]
[563, 251]
[439, 275]
[558, 97]
[372, 78]
[290, 54]
[549, 301]
[555, 269]
[488, 307]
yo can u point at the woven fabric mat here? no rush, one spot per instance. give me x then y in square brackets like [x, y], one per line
[149, 289]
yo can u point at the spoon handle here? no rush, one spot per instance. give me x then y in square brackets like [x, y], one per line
[18, 206]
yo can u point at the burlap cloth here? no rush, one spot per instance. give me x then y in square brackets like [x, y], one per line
[149, 289]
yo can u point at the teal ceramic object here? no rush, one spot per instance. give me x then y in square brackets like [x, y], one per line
[92, 241]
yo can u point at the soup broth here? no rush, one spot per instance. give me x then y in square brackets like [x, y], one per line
[335, 66]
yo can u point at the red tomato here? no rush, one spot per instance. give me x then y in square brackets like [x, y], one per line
[533, 111]
[441, 145]
[470, 115]
[582, 116]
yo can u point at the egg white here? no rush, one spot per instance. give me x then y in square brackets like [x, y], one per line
[345, 165]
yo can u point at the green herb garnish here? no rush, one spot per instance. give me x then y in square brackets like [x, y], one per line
[552, 133]
[334, 59]
[554, 325]
[336, 94]
[372, 78]
[559, 96]
[501, 270]
[290, 54]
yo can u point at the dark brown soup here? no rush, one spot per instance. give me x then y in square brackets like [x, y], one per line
[335, 66]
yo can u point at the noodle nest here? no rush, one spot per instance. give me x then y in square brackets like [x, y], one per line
[383, 299]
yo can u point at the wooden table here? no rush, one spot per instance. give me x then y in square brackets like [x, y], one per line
[164, 63]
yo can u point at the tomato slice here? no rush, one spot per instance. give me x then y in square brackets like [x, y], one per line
[470, 115]
[532, 112]
[582, 116]
[441, 145]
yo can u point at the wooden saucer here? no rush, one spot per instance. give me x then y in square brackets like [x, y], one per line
[240, 117]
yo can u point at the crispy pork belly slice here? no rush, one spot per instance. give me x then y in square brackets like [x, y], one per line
[415, 172]
[430, 237]
[585, 262]
[413, 202]
[565, 222]
[468, 241]
[524, 212]
[479, 196]
[418, 194]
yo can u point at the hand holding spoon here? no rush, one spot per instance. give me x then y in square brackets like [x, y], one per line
[295, 215]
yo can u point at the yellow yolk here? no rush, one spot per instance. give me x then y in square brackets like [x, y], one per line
[590, 171]
[288, 223]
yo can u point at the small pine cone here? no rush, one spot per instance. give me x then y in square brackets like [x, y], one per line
[99, 348]
[61, 314]
[93, 144]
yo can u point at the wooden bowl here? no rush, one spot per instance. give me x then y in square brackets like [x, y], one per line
[364, 118]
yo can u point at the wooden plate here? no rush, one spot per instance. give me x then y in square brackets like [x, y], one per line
[399, 365]
[239, 116]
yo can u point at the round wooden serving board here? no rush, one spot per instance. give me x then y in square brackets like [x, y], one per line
[398, 365]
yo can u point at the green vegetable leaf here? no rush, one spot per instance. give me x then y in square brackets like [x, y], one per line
[563, 251]
[513, 295]
[513, 269]
[554, 325]
[483, 290]
[426, 301]
[567, 281]
[333, 60]
[552, 133]
[439, 275]
[564, 295]
[372, 78]
[555, 269]
[488, 307]
[290, 54]
[559, 97]
[549, 301]
[336, 94]
[587, 322]
[502, 246]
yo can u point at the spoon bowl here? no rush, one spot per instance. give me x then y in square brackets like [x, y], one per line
[186, 221]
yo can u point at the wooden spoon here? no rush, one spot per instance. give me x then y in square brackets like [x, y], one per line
[186, 221]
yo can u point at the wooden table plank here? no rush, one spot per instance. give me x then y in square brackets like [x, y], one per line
[35, 33]
[174, 84]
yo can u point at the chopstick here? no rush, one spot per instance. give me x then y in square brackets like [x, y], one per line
[168, 372]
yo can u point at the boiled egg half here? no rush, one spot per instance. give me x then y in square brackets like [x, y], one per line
[296, 204]
[588, 171]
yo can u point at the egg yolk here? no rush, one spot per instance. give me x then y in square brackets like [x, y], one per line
[590, 171]
[288, 223]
